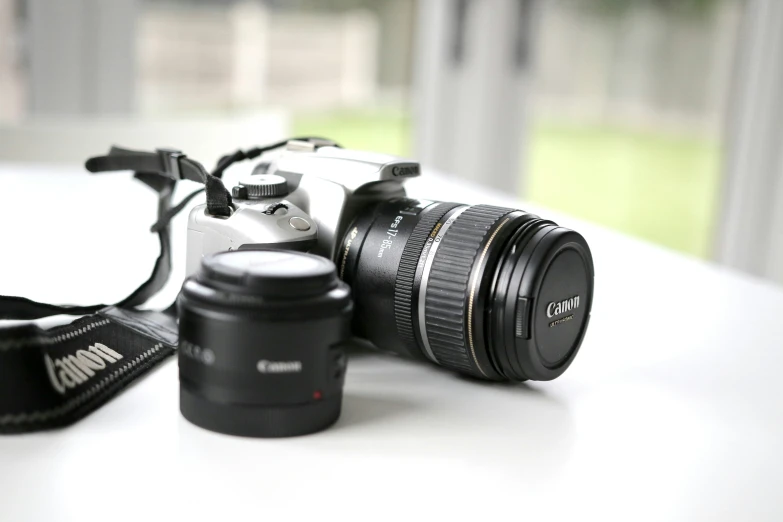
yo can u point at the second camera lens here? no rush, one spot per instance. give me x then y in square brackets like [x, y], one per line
[261, 343]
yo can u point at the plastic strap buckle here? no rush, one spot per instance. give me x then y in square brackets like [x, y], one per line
[170, 159]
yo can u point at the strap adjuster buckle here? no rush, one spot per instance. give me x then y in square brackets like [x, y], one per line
[170, 159]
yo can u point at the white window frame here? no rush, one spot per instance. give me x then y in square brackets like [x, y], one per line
[749, 232]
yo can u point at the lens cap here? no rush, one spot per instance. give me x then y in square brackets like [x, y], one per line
[261, 343]
[547, 293]
[558, 282]
[562, 298]
[269, 273]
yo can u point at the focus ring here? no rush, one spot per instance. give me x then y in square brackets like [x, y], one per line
[406, 274]
[447, 302]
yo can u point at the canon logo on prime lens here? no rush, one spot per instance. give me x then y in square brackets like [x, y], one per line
[566, 305]
[265, 366]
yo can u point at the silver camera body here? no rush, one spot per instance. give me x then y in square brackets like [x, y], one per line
[304, 199]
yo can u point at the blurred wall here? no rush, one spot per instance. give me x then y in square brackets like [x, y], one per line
[215, 57]
[397, 19]
[641, 66]
[80, 57]
[11, 101]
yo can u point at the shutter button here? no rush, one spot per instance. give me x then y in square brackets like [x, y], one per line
[300, 224]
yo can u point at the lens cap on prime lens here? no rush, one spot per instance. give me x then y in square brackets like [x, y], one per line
[261, 343]
[546, 295]
[272, 273]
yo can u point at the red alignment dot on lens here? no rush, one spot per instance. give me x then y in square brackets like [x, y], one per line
[317, 395]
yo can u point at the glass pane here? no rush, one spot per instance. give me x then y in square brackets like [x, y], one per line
[624, 121]
[338, 68]
[376, 117]
[628, 110]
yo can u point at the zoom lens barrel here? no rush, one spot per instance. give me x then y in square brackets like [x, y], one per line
[492, 292]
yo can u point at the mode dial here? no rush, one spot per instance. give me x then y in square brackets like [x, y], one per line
[261, 186]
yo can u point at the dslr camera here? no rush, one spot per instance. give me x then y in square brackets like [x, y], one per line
[491, 292]
[319, 246]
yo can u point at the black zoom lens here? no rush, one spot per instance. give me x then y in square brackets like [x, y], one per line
[492, 292]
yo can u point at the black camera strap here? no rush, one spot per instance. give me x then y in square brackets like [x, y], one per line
[53, 377]
[172, 165]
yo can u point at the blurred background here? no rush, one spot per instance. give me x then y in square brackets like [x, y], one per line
[658, 118]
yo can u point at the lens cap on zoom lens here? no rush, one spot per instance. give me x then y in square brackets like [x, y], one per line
[492, 292]
[542, 299]
[261, 343]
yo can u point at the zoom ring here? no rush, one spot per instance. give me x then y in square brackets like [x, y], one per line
[406, 274]
[448, 293]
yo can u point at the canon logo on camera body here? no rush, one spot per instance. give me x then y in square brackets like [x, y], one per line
[556, 308]
[405, 170]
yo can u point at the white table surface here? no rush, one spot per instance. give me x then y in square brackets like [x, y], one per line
[673, 409]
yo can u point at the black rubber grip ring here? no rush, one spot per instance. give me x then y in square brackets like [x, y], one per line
[447, 300]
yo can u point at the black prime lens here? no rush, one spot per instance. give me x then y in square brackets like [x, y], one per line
[487, 291]
[261, 343]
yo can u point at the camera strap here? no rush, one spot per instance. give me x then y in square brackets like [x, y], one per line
[51, 378]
